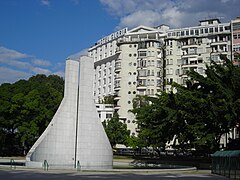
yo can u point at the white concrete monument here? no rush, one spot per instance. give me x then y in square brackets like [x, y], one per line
[75, 137]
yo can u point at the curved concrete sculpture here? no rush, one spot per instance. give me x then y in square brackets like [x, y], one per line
[75, 137]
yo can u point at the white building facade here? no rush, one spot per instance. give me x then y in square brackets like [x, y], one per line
[194, 47]
[127, 65]
[145, 60]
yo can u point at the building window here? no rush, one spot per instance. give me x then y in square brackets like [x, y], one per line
[235, 36]
[129, 102]
[191, 32]
[148, 72]
[227, 28]
[129, 92]
[177, 71]
[108, 116]
[196, 32]
[142, 53]
[152, 73]
[130, 55]
[152, 91]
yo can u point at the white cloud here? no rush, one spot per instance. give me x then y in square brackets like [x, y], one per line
[15, 65]
[119, 7]
[177, 13]
[173, 16]
[147, 18]
[60, 73]
[83, 52]
[41, 62]
[45, 2]
[11, 54]
[38, 70]
[8, 75]
[13, 58]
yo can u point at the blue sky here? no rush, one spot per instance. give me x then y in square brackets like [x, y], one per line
[36, 36]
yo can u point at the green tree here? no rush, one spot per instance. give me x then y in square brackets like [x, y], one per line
[155, 118]
[26, 108]
[197, 115]
[213, 104]
[116, 130]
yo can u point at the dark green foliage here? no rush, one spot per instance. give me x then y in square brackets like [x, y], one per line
[26, 108]
[116, 131]
[197, 115]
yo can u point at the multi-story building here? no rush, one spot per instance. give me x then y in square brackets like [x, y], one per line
[104, 55]
[131, 63]
[235, 28]
[105, 111]
[194, 47]
[145, 60]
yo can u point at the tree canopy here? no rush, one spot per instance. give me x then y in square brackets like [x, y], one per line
[116, 130]
[197, 115]
[26, 108]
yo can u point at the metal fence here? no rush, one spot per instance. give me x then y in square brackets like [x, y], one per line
[226, 163]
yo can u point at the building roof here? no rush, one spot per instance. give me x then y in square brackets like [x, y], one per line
[212, 19]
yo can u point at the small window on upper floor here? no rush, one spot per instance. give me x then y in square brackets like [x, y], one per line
[227, 28]
[108, 116]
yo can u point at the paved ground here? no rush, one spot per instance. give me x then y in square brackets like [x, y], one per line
[23, 173]
[59, 175]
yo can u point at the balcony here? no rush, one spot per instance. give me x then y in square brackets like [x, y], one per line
[117, 66]
[118, 50]
[117, 107]
[191, 54]
[219, 43]
[136, 39]
[117, 98]
[117, 77]
[190, 45]
[117, 88]
[141, 86]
